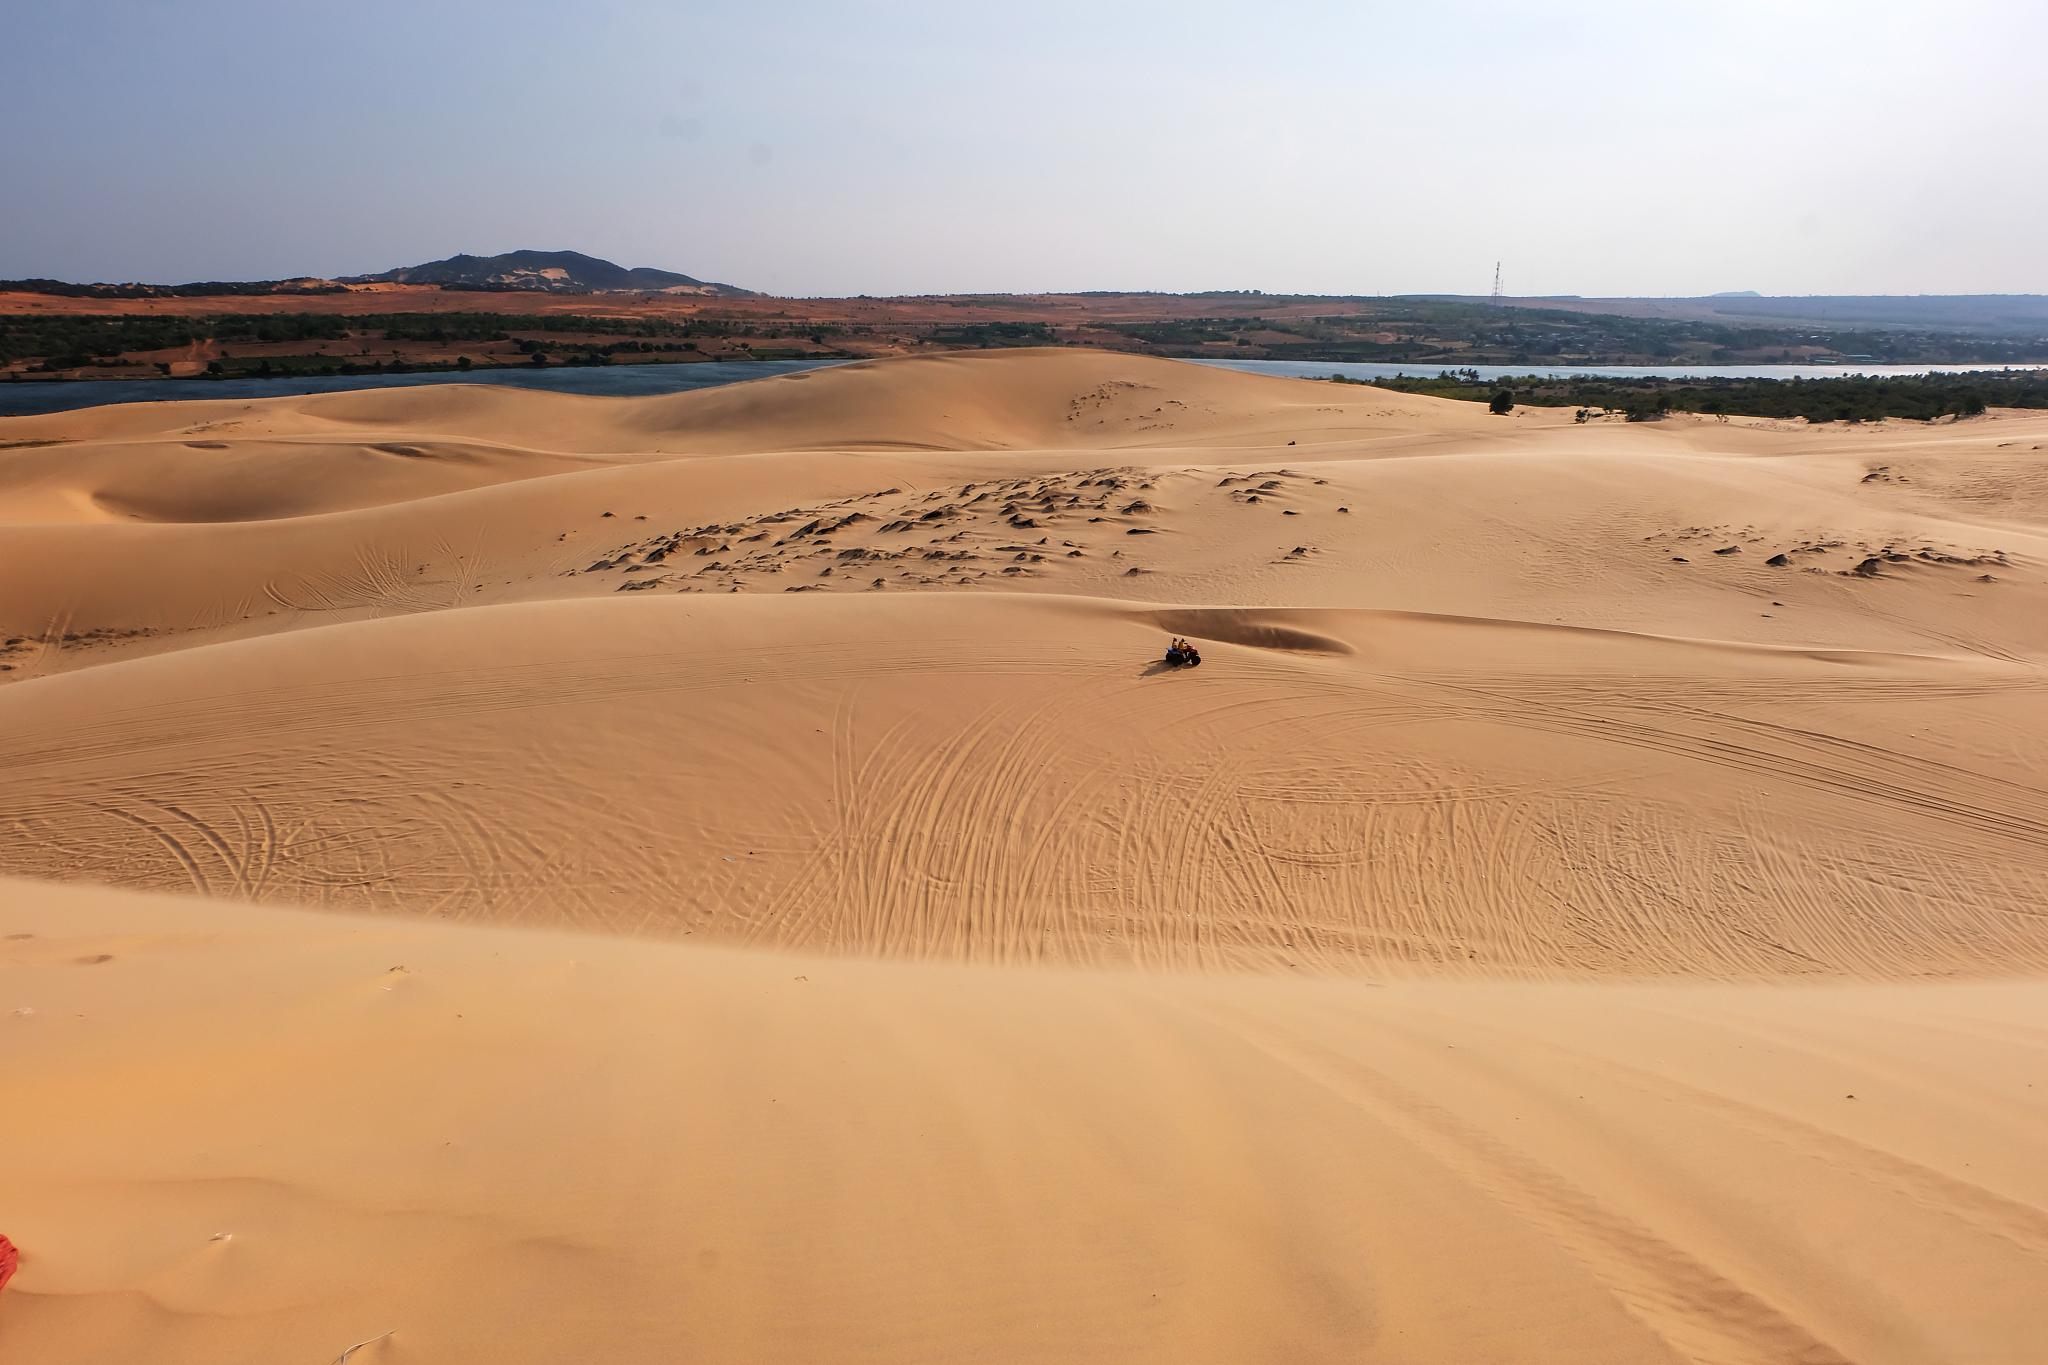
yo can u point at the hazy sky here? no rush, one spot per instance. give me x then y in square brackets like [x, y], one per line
[1638, 148]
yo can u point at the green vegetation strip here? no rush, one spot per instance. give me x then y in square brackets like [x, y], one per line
[1847, 398]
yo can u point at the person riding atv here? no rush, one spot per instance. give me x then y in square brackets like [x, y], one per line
[1182, 654]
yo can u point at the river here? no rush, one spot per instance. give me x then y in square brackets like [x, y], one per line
[37, 396]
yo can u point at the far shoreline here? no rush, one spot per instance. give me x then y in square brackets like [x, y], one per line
[1537, 384]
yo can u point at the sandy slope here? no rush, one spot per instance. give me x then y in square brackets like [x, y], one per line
[1472, 960]
[997, 777]
[241, 1135]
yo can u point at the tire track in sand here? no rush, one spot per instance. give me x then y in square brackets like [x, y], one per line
[1702, 1313]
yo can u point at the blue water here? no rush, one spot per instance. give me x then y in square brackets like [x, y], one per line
[1323, 369]
[19, 399]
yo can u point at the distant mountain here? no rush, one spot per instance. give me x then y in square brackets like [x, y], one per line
[556, 272]
[562, 272]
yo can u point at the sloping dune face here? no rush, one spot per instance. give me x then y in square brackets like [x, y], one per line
[778, 903]
[1012, 779]
[251, 1135]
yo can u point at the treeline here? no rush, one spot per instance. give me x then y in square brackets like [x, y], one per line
[1442, 331]
[1847, 398]
[61, 342]
[72, 341]
[985, 335]
[198, 289]
[1413, 332]
[65, 341]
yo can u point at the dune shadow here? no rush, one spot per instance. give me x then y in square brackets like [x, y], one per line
[1254, 628]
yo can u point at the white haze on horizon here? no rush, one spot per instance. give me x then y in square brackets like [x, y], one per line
[925, 148]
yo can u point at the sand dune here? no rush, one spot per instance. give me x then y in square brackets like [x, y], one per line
[242, 1135]
[787, 913]
[151, 529]
[1004, 778]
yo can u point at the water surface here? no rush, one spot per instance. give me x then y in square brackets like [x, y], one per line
[618, 381]
[622, 381]
[1323, 369]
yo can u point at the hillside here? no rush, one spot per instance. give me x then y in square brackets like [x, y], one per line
[552, 271]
